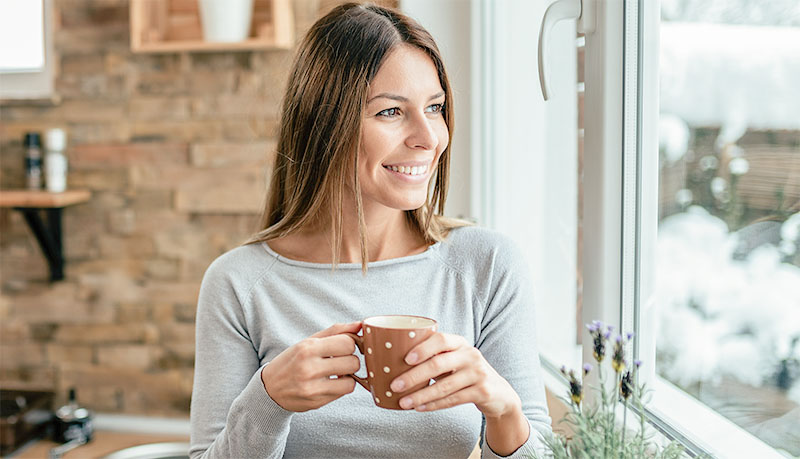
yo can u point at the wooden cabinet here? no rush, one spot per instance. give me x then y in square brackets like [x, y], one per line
[164, 26]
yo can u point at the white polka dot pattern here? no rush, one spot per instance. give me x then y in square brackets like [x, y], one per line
[411, 334]
[377, 400]
[388, 345]
[369, 330]
[369, 350]
[386, 369]
[388, 394]
[371, 374]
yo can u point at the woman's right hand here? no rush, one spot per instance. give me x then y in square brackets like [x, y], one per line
[299, 378]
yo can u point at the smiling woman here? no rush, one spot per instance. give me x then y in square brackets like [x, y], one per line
[317, 199]
[353, 228]
[403, 132]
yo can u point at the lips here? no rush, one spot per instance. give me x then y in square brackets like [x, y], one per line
[409, 170]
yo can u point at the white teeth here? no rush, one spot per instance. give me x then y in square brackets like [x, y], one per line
[409, 170]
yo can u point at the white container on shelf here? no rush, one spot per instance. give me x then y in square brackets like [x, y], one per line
[55, 161]
[226, 20]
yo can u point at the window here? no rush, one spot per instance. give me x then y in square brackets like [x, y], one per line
[26, 68]
[727, 310]
[525, 159]
[652, 235]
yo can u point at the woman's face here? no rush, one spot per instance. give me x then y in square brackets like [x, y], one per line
[403, 131]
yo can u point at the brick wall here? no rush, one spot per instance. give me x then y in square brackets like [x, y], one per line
[175, 149]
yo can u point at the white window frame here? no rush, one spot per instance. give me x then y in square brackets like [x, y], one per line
[34, 85]
[512, 131]
[621, 207]
[620, 186]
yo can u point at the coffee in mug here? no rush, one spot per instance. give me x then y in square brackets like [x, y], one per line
[385, 341]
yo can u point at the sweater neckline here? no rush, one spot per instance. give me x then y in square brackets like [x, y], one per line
[373, 264]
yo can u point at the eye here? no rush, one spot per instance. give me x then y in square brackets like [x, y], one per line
[389, 112]
[435, 108]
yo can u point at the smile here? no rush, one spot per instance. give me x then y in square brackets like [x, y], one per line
[409, 170]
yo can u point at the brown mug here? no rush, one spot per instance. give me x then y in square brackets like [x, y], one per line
[385, 341]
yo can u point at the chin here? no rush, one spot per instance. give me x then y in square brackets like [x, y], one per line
[404, 204]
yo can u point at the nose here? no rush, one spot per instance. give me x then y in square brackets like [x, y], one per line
[421, 134]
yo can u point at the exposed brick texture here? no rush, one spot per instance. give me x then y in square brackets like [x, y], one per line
[176, 149]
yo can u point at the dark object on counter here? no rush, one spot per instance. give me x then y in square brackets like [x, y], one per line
[33, 161]
[72, 427]
[24, 415]
[72, 422]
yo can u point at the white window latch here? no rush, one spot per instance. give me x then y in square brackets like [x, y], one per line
[582, 10]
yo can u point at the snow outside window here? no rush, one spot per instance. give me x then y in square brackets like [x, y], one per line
[727, 309]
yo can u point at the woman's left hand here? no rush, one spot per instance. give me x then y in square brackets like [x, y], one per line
[462, 376]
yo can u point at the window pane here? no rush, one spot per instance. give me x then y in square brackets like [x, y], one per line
[728, 263]
[21, 23]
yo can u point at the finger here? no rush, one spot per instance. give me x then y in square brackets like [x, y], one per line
[335, 329]
[441, 389]
[334, 366]
[340, 386]
[434, 367]
[435, 344]
[466, 395]
[334, 346]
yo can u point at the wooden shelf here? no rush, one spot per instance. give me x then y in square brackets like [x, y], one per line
[47, 228]
[42, 199]
[167, 26]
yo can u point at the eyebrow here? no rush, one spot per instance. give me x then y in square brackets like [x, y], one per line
[386, 95]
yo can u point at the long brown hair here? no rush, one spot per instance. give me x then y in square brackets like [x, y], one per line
[320, 128]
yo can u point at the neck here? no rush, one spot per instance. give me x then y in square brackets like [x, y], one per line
[388, 235]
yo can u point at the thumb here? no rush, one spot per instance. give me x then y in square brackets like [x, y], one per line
[335, 329]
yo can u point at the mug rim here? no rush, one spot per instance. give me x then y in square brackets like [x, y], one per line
[431, 322]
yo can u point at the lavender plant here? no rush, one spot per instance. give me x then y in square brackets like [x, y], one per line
[595, 430]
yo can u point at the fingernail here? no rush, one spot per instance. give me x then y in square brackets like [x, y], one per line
[405, 403]
[411, 358]
[421, 408]
[398, 385]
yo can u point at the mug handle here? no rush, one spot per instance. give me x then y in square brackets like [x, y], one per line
[360, 345]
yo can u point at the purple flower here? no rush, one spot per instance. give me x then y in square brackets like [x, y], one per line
[594, 326]
[626, 385]
[575, 389]
[587, 367]
[618, 358]
[630, 335]
[607, 334]
[638, 363]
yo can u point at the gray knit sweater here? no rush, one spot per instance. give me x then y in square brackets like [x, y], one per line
[255, 303]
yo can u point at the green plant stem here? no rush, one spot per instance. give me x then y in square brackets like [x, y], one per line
[604, 401]
[614, 400]
[638, 395]
[624, 423]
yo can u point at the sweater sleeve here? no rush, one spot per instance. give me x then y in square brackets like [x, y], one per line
[231, 413]
[507, 340]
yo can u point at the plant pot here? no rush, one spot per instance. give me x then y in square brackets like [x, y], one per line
[226, 20]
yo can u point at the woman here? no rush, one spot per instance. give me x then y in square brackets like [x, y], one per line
[352, 229]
